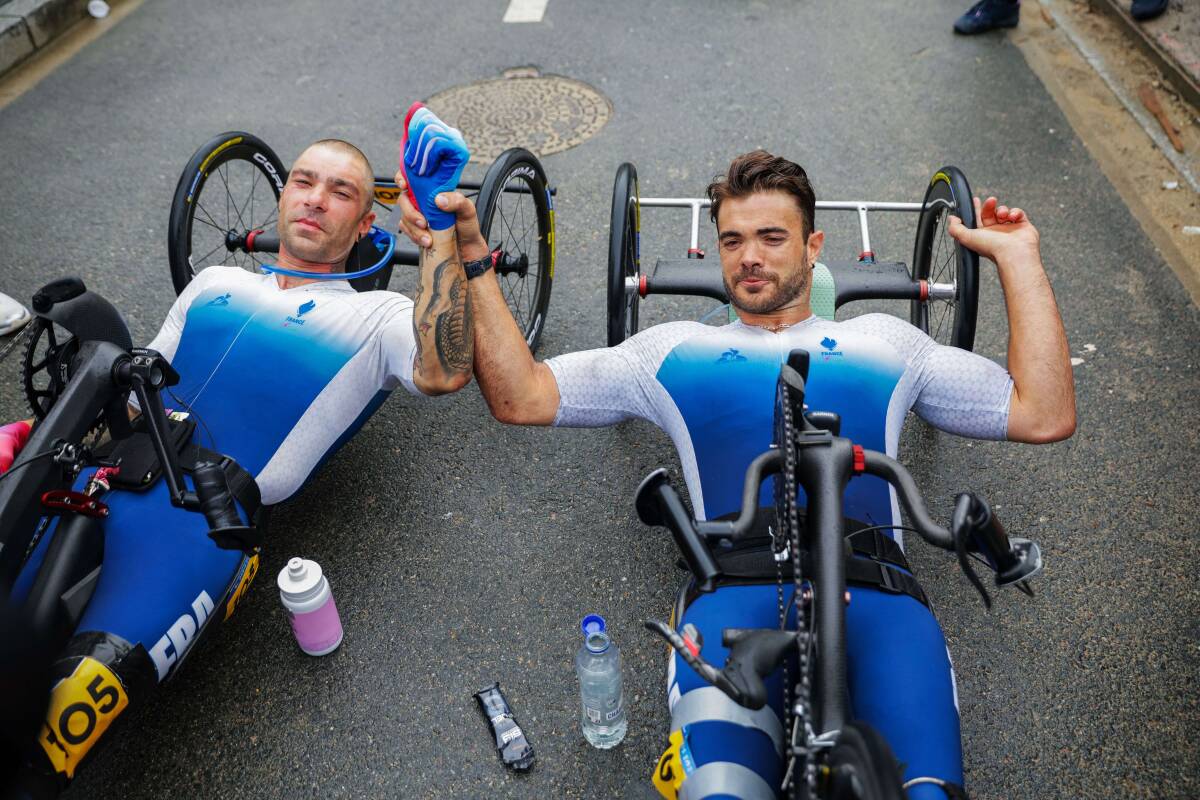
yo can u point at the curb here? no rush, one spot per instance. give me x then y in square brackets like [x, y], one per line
[1175, 74]
[26, 26]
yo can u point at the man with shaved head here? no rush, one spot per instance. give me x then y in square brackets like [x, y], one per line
[277, 370]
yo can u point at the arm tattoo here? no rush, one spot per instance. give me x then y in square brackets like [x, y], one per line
[454, 330]
[416, 330]
[453, 327]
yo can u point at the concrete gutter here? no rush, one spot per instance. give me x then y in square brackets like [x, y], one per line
[27, 26]
[1180, 76]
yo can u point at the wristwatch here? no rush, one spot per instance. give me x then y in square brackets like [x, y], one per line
[476, 268]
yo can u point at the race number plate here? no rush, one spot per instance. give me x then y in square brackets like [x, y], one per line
[82, 707]
[248, 573]
[671, 771]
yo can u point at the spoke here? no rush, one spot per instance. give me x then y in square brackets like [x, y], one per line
[945, 314]
[204, 257]
[211, 222]
[250, 197]
[231, 202]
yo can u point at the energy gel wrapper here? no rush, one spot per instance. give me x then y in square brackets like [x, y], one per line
[515, 750]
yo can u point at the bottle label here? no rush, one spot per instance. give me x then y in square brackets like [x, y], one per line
[593, 714]
[610, 716]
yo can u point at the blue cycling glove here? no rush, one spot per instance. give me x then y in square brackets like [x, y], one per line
[432, 156]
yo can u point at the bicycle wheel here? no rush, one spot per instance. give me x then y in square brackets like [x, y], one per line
[516, 216]
[861, 767]
[624, 255]
[945, 264]
[231, 185]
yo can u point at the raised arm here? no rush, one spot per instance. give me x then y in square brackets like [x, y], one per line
[433, 156]
[1042, 408]
[518, 389]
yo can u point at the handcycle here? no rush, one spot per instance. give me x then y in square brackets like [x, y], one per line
[79, 369]
[942, 286]
[226, 203]
[827, 754]
[95, 674]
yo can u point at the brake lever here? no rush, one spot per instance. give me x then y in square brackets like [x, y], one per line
[1014, 559]
[689, 650]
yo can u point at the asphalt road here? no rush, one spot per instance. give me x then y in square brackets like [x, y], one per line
[462, 552]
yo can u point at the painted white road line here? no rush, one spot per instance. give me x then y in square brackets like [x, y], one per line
[525, 10]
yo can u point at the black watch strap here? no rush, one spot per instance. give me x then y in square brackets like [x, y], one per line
[476, 268]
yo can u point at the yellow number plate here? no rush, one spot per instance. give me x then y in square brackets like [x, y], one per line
[82, 707]
[669, 774]
[247, 578]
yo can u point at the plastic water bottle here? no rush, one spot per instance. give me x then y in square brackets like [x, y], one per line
[309, 602]
[598, 664]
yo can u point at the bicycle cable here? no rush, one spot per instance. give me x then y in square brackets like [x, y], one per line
[29, 461]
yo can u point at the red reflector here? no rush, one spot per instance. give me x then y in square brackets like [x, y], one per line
[924, 290]
[860, 460]
[642, 286]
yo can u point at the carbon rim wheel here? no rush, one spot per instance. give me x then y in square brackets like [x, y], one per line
[516, 216]
[624, 256]
[943, 262]
[230, 186]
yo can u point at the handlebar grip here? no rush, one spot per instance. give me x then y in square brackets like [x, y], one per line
[1012, 558]
[658, 503]
[988, 537]
[754, 653]
[216, 501]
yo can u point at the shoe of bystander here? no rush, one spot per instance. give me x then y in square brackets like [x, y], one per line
[1147, 9]
[13, 315]
[987, 15]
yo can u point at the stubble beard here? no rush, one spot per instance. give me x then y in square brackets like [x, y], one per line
[766, 302]
[311, 251]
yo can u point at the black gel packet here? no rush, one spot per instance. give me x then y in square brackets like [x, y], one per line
[515, 750]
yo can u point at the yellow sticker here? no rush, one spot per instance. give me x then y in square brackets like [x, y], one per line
[82, 707]
[244, 584]
[550, 238]
[670, 774]
[216, 152]
[387, 195]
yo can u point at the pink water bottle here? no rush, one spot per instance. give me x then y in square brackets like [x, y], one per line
[309, 602]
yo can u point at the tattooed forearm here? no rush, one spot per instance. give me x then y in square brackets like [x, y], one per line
[455, 330]
[442, 322]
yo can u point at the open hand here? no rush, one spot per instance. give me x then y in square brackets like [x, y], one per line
[1003, 232]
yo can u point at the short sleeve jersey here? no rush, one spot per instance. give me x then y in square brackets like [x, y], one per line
[279, 379]
[712, 390]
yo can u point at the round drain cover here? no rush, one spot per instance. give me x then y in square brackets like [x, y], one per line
[544, 114]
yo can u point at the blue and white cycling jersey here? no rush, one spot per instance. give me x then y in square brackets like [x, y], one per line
[280, 378]
[276, 378]
[712, 390]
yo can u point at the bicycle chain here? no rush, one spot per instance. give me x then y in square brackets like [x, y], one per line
[18, 339]
[790, 530]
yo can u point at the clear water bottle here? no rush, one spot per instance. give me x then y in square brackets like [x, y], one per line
[598, 665]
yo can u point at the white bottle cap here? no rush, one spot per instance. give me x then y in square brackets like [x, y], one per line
[300, 580]
[98, 9]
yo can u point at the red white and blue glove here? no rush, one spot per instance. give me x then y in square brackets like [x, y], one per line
[432, 156]
[12, 438]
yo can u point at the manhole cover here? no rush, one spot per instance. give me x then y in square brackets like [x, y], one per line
[542, 113]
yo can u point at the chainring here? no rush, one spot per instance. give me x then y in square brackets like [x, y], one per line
[46, 366]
